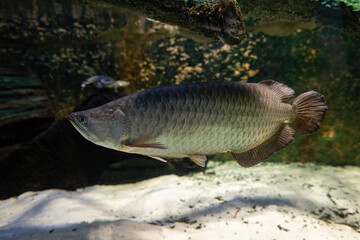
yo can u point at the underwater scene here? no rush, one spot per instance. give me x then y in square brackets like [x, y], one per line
[179, 119]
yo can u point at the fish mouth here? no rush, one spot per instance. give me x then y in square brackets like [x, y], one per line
[78, 126]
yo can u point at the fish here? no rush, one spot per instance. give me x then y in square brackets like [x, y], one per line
[250, 120]
[101, 81]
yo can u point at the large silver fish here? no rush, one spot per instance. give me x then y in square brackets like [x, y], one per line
[251, 120]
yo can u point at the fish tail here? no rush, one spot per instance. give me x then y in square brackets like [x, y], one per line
[308, 111]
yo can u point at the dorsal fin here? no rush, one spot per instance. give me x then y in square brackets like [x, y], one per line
[284, 92]
[259, 153]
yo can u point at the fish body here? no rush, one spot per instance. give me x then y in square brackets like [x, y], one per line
[251, 120]
[118, 83]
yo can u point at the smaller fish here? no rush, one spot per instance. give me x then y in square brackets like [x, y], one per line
[101, 81]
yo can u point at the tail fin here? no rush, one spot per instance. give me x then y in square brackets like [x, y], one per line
[308, 111]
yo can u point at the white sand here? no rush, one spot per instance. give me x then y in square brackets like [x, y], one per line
[271, 201]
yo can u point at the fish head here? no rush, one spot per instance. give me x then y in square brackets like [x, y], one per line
[103, 126]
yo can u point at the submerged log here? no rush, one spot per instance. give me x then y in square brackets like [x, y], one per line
[221, 19]
[213, 19]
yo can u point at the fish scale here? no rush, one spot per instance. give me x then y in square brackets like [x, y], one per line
[212, 109]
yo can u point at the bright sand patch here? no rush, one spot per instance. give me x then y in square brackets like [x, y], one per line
[269, 201]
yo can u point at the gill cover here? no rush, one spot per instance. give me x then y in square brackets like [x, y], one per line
[120, 127]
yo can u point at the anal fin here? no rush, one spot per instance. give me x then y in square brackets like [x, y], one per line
[261, 152]
[198, 159]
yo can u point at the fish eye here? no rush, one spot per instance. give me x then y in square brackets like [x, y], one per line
[83, 119]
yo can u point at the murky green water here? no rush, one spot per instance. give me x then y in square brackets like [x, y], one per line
[54, 184]
[49, 48]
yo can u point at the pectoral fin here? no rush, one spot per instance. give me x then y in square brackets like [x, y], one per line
[198, 159]
[261, 152]
[146, 145]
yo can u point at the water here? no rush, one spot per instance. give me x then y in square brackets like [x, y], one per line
[49, 48]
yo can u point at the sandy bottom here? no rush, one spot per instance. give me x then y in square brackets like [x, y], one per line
[271, 201]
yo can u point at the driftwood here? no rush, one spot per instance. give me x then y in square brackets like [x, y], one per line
[213, 19]
[222, 19]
